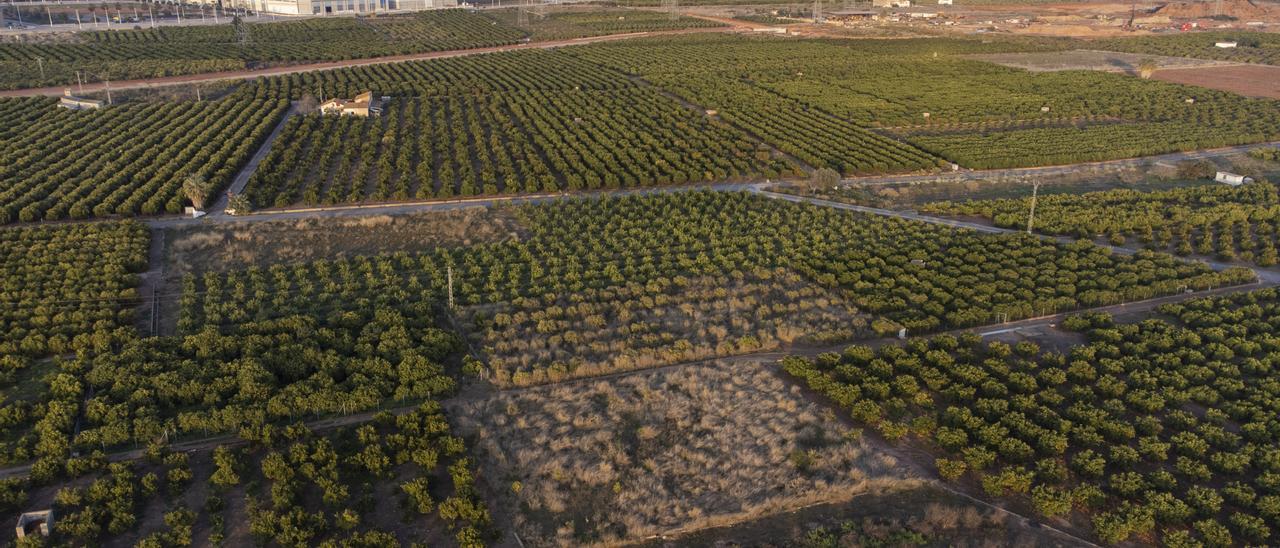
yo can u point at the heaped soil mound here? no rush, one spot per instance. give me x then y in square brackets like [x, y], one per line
[1241, 9]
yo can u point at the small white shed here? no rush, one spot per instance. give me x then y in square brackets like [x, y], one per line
[1232, 179]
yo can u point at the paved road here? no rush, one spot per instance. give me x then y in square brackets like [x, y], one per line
[969, 175]
[330, 65]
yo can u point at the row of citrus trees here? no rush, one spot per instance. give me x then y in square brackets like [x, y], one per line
[318, 487]
[1226, 222]
[661, 251]
[529, 133]
[816, 100]
[63, 289]
[254, 377]
[1105, 434]
[129, 54]
[1251, 46]
[131, 159]
[60, 285]
[593, 21]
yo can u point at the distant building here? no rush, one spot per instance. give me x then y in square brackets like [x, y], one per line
[34, 524]
[363, 105]
[1224, 44]
[76, 103]
[1232, 179]
[944, 2]
[331, 7]
[845, 16]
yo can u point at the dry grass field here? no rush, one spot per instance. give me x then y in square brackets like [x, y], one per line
[666, 452]
[235, 246]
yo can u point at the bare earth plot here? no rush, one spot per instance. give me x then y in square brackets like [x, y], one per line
[1110, 61]
[1247, 80]
[666, 452]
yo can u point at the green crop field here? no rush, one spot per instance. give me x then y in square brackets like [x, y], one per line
[577, 297]
[1252, 47]
[168, 51]
[921, 100]
[128, 159]
[1160, 431]
[1220, 221]
[565, 24]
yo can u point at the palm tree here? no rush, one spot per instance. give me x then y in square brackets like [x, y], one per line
[196, 189]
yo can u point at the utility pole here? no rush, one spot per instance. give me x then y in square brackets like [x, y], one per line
[40, 63]
[80, 83]
[817, 11]
[108, 81]
[79, 25]
[152, 14]
[18, 11]
[50, 14]
[1031, 215]
[450, 287]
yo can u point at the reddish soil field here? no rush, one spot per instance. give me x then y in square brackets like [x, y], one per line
[1247, 80]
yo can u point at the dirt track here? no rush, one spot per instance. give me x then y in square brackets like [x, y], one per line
[1247, 80]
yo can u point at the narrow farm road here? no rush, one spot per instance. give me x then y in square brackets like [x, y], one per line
[330, 65]
[219, 208]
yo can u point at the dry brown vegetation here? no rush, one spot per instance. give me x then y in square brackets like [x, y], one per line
[927, 516]
[666, 451]
[638, 326]
[242, 245]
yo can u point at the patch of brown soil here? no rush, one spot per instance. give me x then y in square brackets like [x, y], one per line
[1247, 80]
[1243, 9]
